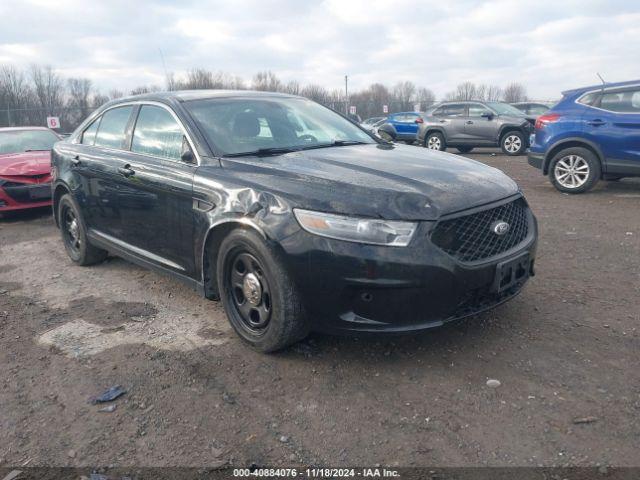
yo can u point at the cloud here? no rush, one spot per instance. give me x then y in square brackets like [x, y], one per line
[549, 47]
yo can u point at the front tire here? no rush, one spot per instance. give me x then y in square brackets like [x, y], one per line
[513, 143]
[435, 141]
[74, 234]
[574, 170]
[258, 295]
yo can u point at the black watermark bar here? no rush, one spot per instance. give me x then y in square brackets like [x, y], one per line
[399, 473]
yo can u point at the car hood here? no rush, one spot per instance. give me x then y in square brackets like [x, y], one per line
[392, 182]
[25, 164]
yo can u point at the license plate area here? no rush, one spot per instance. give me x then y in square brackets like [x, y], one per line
[510, 273]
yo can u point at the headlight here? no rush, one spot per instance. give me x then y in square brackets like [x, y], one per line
[352, 229]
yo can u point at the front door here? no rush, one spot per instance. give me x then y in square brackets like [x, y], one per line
[481, 126]
[156, 192]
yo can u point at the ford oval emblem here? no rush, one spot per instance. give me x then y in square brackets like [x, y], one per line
[500, 227]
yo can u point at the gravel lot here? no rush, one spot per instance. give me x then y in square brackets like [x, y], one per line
[565, 351]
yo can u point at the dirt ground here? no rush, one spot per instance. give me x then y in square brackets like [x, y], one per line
[566, 353]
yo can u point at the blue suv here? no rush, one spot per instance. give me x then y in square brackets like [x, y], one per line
[593, 133]
[406, 125]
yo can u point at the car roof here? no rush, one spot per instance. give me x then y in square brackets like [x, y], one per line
[187, 95]
[18, 129]
[601, 85]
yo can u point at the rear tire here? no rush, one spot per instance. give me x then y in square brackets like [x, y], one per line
[574, 170]
[258, 295]
[74, 234]
[513, 143]
[464, 149]
[435, 141]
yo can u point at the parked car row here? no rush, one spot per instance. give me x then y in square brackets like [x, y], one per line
[465, 126]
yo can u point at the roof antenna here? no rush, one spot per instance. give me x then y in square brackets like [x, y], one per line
[601, 79]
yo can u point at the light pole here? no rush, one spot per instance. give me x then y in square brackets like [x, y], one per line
[346, 95]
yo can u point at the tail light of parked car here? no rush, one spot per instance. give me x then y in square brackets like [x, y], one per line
[544, 120]
[419, 120]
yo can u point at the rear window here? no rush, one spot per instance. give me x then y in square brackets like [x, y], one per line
[112, 130]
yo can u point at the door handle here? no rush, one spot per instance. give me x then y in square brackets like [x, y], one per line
[75, 161]
[596, 123]
[126, 171]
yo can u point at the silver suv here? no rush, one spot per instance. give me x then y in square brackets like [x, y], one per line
[470, 124]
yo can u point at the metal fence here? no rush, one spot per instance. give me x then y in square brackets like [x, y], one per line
[69, 118]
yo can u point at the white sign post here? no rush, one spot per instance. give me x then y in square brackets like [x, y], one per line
[385, 108]
[53, 122]
[416, 107]
[352, 109]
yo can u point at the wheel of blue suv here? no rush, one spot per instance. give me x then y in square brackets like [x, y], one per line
[257, 293]
[435, 141]
[574, 170]
[513, 143]
[74, 234]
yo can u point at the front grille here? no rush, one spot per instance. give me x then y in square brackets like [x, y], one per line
[470, 238]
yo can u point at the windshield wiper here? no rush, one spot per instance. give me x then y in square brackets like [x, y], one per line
[264, 151]
[335, 143]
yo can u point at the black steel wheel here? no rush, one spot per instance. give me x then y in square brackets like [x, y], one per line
[251, 296]
[258, 294]
[74, 234]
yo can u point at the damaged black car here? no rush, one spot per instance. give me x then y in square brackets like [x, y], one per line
[290, 214]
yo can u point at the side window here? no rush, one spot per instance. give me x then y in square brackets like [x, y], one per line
[624, 102]
[89, 135]
[112, 130]
[157, 133]
[454, 110]
[477, 110]
[589, 98]
[439, 112]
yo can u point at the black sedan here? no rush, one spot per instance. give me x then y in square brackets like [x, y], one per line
[292, 215]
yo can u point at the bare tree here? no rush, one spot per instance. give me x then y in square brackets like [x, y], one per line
[79, 101]
[48, 88]
[514, 92]
[425, 98]
[16, 95]
[403, 93]
[266, 81]
[316, 93]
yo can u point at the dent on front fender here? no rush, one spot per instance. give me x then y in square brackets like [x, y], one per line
[267, 213]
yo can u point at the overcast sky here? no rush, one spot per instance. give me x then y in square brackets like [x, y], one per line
[548, 45]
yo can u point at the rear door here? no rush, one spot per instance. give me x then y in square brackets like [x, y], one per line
[156, 191]
[95, 164]
[452, 117]
[613, 123]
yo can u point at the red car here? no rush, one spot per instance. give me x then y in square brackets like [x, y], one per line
[25, 167]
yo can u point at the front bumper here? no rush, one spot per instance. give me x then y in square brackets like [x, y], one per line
[24, 196]
[354, 288]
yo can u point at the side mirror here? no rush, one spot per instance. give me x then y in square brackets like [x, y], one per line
[387, 132]
[488, 115]
[187, 155]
